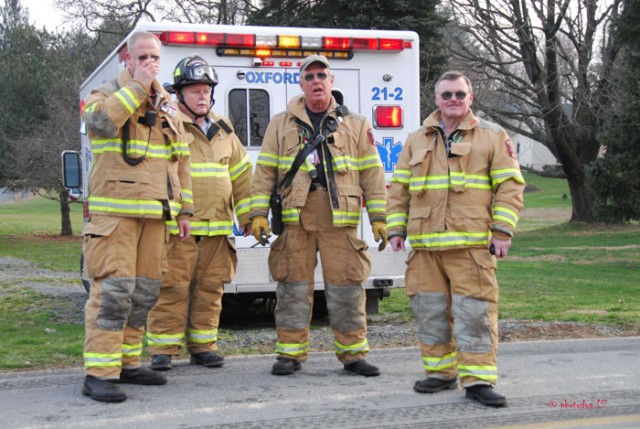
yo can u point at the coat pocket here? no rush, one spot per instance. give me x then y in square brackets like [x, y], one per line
[278, 260]
[342, 159]
[418, 216]
[414, 274]
[130, 185]
[351, 204]
[359, 265]
[419, 165]
[96, 243]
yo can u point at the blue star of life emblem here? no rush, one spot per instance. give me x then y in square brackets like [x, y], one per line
[389, 153]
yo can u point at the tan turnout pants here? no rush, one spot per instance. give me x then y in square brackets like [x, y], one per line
[454, 298]
[123, 257]
[345, 265]
[190, 300]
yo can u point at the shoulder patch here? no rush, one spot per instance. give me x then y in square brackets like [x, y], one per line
[510, 150]
[372, 139]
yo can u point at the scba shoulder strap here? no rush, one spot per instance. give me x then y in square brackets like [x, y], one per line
[216, 126]
[330, 126]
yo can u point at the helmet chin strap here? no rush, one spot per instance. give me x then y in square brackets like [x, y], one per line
[195, 115]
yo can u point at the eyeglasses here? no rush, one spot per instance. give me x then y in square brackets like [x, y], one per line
[146, 57]
[460, 95]
[310, 76]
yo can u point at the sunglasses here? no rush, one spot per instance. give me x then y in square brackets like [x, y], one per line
[460, 95]
[146, 57]
[310, 76]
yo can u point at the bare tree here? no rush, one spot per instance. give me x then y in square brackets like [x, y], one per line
[97, 15]
[34, 159]
[46, 74]
[546, 64]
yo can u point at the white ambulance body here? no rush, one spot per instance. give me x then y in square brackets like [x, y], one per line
[376, 75]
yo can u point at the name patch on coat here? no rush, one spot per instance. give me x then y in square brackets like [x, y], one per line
[169, 109]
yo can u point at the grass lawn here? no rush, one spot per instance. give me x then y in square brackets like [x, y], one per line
[32, 332]
[555, 271]
[32, 335]
[561, 271]
[30, 230]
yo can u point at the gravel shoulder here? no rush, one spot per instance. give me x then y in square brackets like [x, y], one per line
[237, 336]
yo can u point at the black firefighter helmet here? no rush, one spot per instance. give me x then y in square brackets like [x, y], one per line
[191, 70]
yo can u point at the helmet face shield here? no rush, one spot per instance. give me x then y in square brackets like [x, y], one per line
[191, 70]
[201, 73]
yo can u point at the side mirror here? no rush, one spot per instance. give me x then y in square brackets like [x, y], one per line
[71, 171]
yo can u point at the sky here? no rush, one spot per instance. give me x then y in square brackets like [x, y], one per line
[43, 13]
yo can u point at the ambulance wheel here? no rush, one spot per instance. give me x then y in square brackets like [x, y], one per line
[373, 298]
[319, 305]
[85, 281]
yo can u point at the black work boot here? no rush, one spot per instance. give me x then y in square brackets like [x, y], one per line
[208, 359]
[142, 376]
[433, 385]
[362, 367]
[102, 390]
[486, 395]
[285, 366]
[161, 362]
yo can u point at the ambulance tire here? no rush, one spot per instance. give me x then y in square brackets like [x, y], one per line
[85, 281]
[319, 305]
[373, 298]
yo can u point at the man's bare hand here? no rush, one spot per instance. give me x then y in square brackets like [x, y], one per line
[184, 229]
[500, 247]
[396, 243]
[146, 71]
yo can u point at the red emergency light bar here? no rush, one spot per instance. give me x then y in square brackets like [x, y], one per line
[249, 41]
[392, 45]
[366, 44]
[181, 38]
[210, 39]
[337, 43]
[240, 40]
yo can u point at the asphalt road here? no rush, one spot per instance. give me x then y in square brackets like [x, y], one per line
[592, 383]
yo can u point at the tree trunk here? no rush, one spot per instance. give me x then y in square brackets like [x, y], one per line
[570, 147]
[65, 214]
[581, 200]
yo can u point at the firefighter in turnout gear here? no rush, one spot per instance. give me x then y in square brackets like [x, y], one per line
[140, 176]
[456, 194]
[191, 294]
[321, 160]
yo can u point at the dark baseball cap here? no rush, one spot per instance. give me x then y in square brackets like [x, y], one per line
[314, 59]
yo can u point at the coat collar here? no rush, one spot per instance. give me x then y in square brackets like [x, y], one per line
[296, 107]
[432, 122]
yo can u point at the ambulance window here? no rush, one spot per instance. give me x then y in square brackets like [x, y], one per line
[249, 113]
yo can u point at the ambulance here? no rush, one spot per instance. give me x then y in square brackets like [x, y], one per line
[376, 75]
